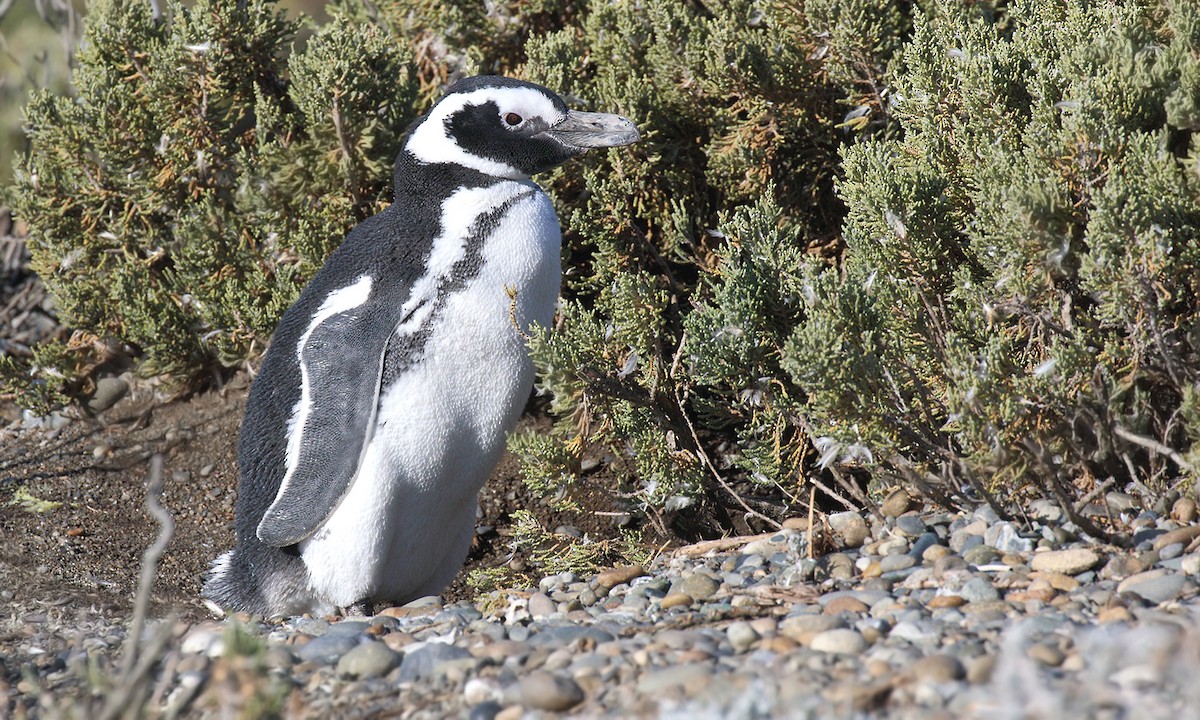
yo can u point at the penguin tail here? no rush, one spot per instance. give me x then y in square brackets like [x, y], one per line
[258, 580]
[231, 586]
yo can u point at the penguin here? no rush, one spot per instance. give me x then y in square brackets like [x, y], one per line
[385, 396]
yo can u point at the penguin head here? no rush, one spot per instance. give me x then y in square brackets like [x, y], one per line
[510, 128]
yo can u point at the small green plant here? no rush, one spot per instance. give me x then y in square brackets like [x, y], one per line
[28, 502]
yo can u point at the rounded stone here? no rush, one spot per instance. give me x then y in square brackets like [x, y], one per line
[845, 603]
[981, 555]
[676, 600]
[933, 553]
[938, 668]
[699, 586]
[545, 691]
[1047, 655]
[109, 391]
[1184, 511]
[978, 589]
[839, 641]
[540, 605]
[1068, 562]
[1156, 586]
[619, 576]
[368, 660]
[741, 636]
[910, 525]
[896, 503]
[893, 563]
[850, 527]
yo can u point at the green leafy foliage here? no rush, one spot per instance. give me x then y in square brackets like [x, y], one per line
[1018, 301]
[199, 177]
[942, 243]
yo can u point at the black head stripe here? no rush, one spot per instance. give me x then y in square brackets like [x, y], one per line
[477, 129]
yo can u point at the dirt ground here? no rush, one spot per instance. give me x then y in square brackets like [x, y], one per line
[73, 522]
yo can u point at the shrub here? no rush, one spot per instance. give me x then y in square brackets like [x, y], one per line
[199, 177]
[1017, 309]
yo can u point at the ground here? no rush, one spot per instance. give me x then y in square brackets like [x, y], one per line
[73, 521]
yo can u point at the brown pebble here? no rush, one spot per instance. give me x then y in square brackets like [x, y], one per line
[1048, 655]
[1113, 614]
[845, 603]
[877, 668]
[619, 575]
[1183, 535]
[937, 668]
[795, 523]
[75, 532]
[944, 601]
[1184, 511]
[979, 669]
[896, 503]
[872, 570]
[376, 630]
[933, 553]
[676, 600]
[778, 644]
[1056, 580]
[397, 640]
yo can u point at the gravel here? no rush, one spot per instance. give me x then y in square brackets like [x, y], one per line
[910, 618]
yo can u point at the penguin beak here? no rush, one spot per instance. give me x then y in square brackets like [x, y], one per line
[585, 130]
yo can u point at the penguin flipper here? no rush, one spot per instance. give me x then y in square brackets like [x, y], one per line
[342, 363]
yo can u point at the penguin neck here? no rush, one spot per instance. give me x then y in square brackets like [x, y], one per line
[416, 180]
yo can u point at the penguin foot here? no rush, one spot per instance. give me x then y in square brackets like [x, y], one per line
[362, 608]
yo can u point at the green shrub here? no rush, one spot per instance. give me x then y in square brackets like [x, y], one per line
[1018, 302]
[947, 244]
[200, 176]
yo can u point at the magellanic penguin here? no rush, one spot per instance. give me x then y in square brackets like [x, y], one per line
[383, 402]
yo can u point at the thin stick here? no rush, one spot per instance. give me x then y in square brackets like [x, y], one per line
[812, 533]
[717, 475]
[150, 558]
[718, 545]
[1154, 445]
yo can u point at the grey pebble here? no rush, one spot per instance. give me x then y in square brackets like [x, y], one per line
[699, 586]
[978, 589]
[547, 691]
[368, 660]
[1155, 588]
[839, 641]
[327, 649]
[910, 525]
[421, 663]
[741, 636]
[566, 634]
[109, 391]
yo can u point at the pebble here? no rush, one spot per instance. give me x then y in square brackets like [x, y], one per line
[1157, 586]
[928, 619]
[896, 503]
[368, 660]
[109, 391]
[741, 636]
[547, 691]
[619, 576]
[1067, 562]
[850, 527]
[841, 641]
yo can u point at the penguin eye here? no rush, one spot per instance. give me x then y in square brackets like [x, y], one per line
[513, 119]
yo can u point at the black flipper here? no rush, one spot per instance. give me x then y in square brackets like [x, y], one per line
[343, 363]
